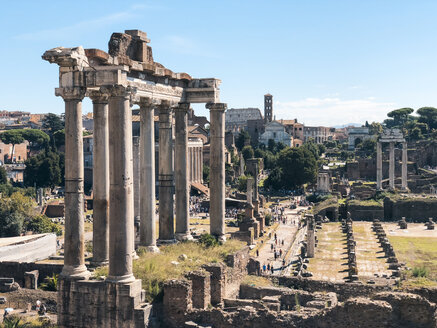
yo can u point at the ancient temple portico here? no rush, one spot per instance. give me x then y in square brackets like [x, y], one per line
[124, 76]
[391, 137]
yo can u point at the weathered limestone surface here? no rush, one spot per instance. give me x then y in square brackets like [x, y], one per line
[217, 174]
[74, 261]
[100, 179]
[181, 172]
[121, 223]
[147, 176]
[166, 174]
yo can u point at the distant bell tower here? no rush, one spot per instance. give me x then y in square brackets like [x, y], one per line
[268, 108]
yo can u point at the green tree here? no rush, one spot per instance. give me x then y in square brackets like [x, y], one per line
[312, 147]
[52, 123]
[247, 152]
[299, 166]
[428, 115]
[44, 170]
[12, 137]
[11, 224]
[3, 175]
[274, 180]
[369, 147]
[271, 145]
[399, 117]
[375, 128]
[416, 134]
[36, 137]
[242, 183]
[242, 139]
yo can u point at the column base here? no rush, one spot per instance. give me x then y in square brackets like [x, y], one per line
[78, 272]
[151, 249]
[121, 279]
[183, 236]
[221, 238]
[96, 264]
[166, 241]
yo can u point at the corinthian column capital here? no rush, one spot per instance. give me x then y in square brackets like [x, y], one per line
[71, 93]
[98, 97]
[217, 106]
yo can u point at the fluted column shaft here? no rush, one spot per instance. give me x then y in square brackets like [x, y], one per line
[181, 172]
[217, 174]
[378, 165]
[392, 166]
[74, 261]
[100, 179]
[121, 223]
[166, 174]
[404, 166]
[147, 177]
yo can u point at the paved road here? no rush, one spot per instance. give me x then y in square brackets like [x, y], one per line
[286, 232]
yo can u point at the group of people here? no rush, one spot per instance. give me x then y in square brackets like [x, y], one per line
[196, 206]
[276, 249]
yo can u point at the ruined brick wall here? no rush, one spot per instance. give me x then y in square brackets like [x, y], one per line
[416, 209]
[343, 290]
[365, 212]
[237, 265]
[16, 270]
[92, 303]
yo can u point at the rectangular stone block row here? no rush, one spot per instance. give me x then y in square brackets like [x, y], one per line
[100, 304]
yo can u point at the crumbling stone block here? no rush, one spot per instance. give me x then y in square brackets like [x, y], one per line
[177, 301]
[201, 288]
[218, 282]
[31, 279]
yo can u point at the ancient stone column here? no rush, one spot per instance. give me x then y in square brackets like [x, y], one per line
[166, 184]
[217, 173]
[147, 176]
[100, 179]
[391, 168]
[181, 172]
[378, 165]
[404, 166]
[201, 164]
[121, 208]
[74, 261]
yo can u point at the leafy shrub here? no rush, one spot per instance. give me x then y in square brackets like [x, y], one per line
[50, 283]
[420, 272]
[208, 240]
[268, 219]
[42, 224]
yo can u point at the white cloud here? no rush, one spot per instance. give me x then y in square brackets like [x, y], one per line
[184, 46]
[87, 25]
[333, 111]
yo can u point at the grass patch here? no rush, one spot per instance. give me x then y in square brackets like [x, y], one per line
[153, 269]
[420, 254]
[257, 281]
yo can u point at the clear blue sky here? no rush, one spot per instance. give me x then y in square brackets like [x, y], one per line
[326, 62]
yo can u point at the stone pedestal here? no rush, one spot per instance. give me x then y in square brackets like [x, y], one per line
[181, 172]
[378, 166]
[121, 211]
[147, 177]
[404, 166]
[391, 168]
[217, 172]
[100, 179]
[74, 261]
[166, 183]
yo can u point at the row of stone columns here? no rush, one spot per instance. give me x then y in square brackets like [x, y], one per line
[391, 165]
[113, 237]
